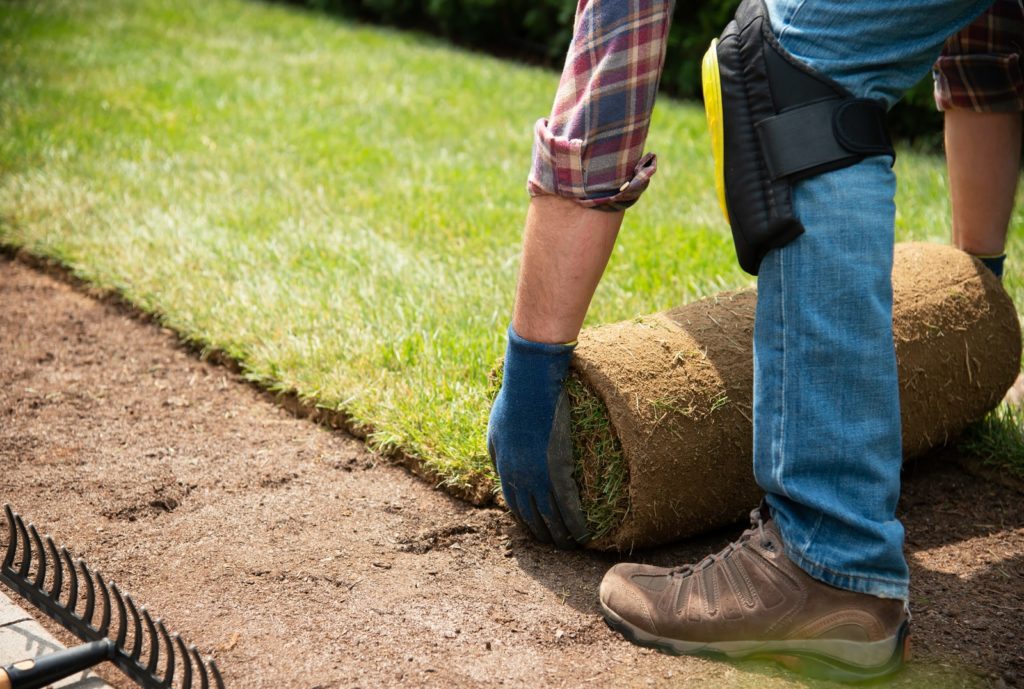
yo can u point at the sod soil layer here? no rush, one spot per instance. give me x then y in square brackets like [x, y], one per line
[302, 560]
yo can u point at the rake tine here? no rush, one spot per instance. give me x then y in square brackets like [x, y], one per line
[136, 628]
[41, 556]
[26, 547]
[107, 607]
[122, 614]
[154, 645]
[12, 537]
[90, 593]
[32, 558]
[58, 571]
[169, 665]
[72, 579]
[186, 663]
[216, 674]
[204, 679]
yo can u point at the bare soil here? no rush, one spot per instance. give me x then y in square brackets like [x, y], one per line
[300, 559]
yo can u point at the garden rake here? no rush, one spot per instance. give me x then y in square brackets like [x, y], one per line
[140, 645]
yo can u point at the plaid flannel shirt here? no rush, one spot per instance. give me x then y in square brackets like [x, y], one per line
[591, 147]
[980, 67]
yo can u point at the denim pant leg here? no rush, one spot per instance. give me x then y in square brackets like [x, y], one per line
[827, 447]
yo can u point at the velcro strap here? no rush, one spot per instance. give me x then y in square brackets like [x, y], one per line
[826, 134]
[859, 125]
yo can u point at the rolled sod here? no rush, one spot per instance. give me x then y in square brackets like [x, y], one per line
[661, 405]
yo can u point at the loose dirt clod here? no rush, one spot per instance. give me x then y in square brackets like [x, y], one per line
[676, 388]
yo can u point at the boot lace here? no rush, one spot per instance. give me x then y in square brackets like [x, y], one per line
[756, 527]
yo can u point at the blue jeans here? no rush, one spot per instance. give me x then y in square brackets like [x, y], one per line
[827, 447]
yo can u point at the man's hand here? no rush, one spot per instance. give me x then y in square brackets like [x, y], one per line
[529, 442]
[565, 249]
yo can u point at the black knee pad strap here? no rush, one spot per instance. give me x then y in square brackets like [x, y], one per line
[780, 122]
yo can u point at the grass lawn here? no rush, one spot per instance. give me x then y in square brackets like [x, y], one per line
[339, 208]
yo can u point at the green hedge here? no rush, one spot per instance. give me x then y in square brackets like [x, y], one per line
[539, 31]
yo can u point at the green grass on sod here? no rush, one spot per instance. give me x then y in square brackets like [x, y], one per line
[339, 208]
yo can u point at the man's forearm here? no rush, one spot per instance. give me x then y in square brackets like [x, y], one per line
[589, 154]
[565, 250]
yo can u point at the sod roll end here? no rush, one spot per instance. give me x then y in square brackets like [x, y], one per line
[662, 419]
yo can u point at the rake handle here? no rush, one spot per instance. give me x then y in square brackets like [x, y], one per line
[45, 670]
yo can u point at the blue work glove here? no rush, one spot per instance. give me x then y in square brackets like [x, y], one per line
[529, 442]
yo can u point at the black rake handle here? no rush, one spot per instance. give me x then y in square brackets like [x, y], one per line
[35, 673]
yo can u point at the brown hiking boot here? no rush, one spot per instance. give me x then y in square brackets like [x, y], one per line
[751, 601]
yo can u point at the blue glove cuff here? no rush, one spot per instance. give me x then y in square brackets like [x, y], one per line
[535, 366]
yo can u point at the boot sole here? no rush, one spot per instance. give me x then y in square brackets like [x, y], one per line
[819, 658]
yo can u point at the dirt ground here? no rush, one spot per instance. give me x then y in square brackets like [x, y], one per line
[300, 559]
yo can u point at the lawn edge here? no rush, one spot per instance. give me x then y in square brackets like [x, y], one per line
[478, 491]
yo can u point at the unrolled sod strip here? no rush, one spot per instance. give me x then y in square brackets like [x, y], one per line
[662, 405]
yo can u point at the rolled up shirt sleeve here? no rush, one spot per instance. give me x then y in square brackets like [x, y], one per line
[590, 149]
